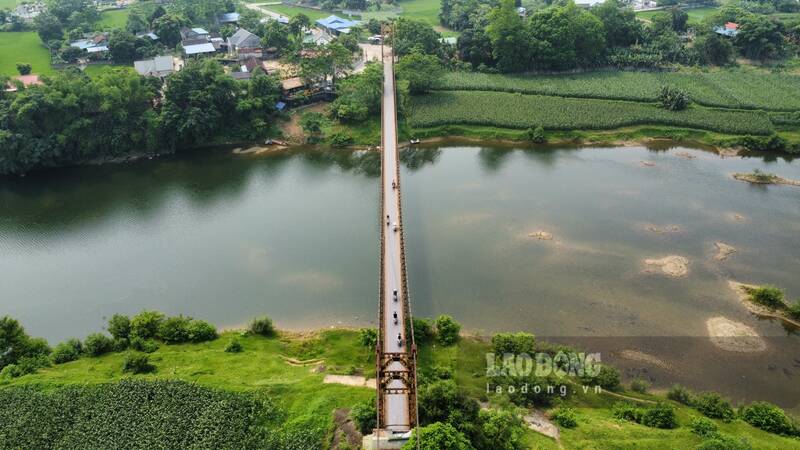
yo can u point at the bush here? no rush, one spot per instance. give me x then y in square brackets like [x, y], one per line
[536, 135]
[119, 326]
[423, 330]
[201, 331]
[680, 394]
[447, 330]
[340, 139]
[233, 346]
[703, 427]
[502, 429]
[145, 325]
[713, 405]
[673, 99]
[67, 351]
[443, 373]
[174, 330]
[769, 296]
[365, 416]
[444, 401]
[794, 310]
[136, 363]
[368, 337]
[660, 416]
[725, 442]
[144, 345]
[24, 68]
[438, 436]
[262, 326]
[768, 417]
[24, 366]
[565, 417]
[607, 378]
[627, 411]
[515, 343]
[640, 385]
[97, 344]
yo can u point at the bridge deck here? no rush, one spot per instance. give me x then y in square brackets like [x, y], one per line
[395, 397]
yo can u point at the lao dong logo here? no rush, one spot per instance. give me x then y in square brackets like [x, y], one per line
[541, 372]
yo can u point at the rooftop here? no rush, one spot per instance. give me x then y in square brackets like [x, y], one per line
[337, 23]
[197, 49]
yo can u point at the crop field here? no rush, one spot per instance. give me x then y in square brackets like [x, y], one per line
[23, 47]
[509, 110]
[748, 89]
[696, 15]
[114, 18]
[291, 11]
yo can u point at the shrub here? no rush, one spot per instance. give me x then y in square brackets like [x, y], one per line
[640, 385]
[423, 330]
[97, 344]
[627, 411]
[768, 417]
[535, 135]
[703, 426]
[607, 378]
[24, 68]
[144, 345]
[233, 346]
[201, 331]
[660, 416]
[443, 373]
[24, 366]
[769, 296]
[365, 416]
[444, 401]
[121, 344]
[673, 99]
[680, 394]
[145, 325]
[438, 436]
[794, 310]
[565, 417]
[516, 343]
[67, 351]
[136, 363]
[119, 326]
[262, 326]
[713, 405]
[447, 330]
[503, 429]
[173, 330]
[725, 442]
[368, 337]
[340, 139]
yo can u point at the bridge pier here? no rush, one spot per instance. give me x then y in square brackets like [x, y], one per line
[385, 440]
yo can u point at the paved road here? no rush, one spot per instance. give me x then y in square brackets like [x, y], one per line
[396, 411]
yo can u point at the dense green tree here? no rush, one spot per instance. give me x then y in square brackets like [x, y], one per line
[365, 416]
[712, 48]
[199, 104]
[200, 12]
[572, 37]
[137, 21]
[501, 430]
[438, 436]
[515, 343]
[443, 401]
[475, 47]
[64, 10]
[620, 24]
[119, 326]
[15, 343]
[509, 38]
[298, 24]
[122, 47]
[273, 34]
[421, 71]
[311, 123]
[48, 27]
[760, 37]
[447, 330]
[410, 35]
[168, 29]
[23, 68]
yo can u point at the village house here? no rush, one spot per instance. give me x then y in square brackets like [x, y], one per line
[96, 44]
[335, 25]
[228, 18]
[197, 42]
[244, 44]
[160, 66]
[730, 29]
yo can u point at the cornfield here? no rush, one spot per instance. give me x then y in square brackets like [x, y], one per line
[744, 89]
[520, 111]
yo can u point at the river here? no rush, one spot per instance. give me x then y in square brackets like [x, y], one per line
[295, 235]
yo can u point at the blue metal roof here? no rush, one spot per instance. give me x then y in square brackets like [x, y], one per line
[334, 22]
[229, 17]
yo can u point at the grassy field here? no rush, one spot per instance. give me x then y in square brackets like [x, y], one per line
[115, 18]
[512, 110]
[732, 88]
[696, 15]
[8, 4]
[23, 47]
[262, 368]
[291, 11]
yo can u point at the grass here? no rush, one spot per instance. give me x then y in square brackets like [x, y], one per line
[291, 11]
[517, 111]
[23, 47]
[696, 15]
[114, 18]
[8, 4]
[261, 367]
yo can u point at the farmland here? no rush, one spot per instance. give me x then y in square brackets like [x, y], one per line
[518, 111]
[696, 15]
[114, 18]
[742, 88]
[23, 47]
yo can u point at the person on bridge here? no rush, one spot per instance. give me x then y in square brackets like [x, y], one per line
[395, 294]
[394, 185]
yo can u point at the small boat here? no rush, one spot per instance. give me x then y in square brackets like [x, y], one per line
[414, 141]
[274, 142]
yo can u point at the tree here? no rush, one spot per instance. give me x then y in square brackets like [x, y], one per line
[679, 19]
[122, 47]
[501, 429]
[24, 68]
[48, 27]
[311, 123]
[359, 95]
[298, 24]
[421, 71]
[514, 343]
[760, 38]
[368, 337]
[660, 416]
[365, 416]
[621, 26]
[97, 344]
[168, 29]
[15, 343]
[769, 417]
[438, 436]
[447, 330]
[273, 34]
[712, 48]
[510, 42]
[414, 35]
[262, 326]
[137, 22]
[146, 324]
[475, 47]
[673, 99]
[713, 405]
[119, 326]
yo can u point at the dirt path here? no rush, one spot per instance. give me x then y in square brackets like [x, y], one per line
[291, 128]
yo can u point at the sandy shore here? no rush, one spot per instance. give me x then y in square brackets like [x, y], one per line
[759, 310]
[724, 251]
[673, 265]
[767, 179]
[734, 336]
